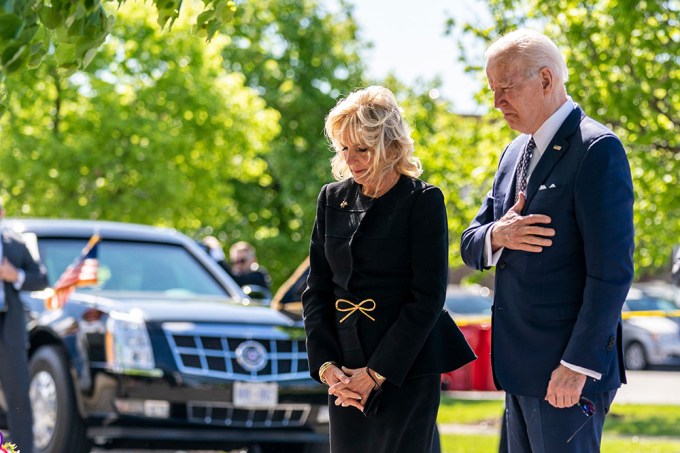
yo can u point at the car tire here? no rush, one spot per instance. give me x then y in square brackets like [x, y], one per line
[58, 427]
[635, 356]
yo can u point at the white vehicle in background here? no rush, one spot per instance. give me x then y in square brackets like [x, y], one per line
[651, 327]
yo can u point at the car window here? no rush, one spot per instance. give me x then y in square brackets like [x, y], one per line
[468, 304]
[647, 303]
[134, 266]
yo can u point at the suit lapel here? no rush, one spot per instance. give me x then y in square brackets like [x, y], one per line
[557, 148]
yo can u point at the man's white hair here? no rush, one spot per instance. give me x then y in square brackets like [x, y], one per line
[530, 49]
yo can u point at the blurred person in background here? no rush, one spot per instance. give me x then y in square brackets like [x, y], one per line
[243, 266]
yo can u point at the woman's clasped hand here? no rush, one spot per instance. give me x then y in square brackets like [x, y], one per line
[351, 387]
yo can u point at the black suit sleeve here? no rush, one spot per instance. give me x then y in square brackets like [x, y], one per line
[604, 212]
[35, 275]
[318, 300]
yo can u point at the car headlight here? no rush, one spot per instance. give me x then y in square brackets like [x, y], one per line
[128, 347]
[665, 337]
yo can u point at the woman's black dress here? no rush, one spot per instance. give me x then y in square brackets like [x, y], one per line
[376, 288]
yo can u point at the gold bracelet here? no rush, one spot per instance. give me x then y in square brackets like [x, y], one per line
[323, 369]
[377, 380]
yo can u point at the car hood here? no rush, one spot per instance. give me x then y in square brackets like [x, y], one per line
[186, 309]
[654, 324]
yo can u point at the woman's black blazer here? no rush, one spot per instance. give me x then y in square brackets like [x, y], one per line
[386, 261]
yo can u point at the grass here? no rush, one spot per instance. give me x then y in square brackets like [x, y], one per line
[643, 420]
[475, 443]
[471, 443]
[632, 428]
[634, 445]
[469, 412]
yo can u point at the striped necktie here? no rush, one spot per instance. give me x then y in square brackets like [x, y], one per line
[523, 168]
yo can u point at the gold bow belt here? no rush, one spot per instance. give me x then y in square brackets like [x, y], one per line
[366, 305]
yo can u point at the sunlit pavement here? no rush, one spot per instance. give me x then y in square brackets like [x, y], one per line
[650, 387]
[644, 387]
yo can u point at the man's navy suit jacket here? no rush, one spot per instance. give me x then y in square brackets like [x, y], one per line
[563, 303]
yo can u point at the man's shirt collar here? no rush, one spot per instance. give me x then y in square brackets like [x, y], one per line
[549, 128]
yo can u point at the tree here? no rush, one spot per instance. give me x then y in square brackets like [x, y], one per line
[70, 32]
[300, 57]
[161, 129]
[148, 133]
[623, 70]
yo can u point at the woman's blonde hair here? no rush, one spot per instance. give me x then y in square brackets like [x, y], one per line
[371, 118]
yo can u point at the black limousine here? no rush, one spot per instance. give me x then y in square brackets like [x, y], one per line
[165, 351]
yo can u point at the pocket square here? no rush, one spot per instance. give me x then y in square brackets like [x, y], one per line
[552, 186]
[542, 187]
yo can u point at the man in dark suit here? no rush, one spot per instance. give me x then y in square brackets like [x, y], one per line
[558, 226]
[18, 271]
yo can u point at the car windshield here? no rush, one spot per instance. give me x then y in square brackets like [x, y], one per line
[134, 267]
[468, 304]
[649, 303]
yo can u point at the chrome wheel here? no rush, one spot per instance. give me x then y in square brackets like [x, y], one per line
[43, 393]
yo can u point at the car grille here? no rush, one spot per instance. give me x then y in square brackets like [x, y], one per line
[226, 414]
[257, 353]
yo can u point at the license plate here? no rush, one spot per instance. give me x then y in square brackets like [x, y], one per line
[256, 394]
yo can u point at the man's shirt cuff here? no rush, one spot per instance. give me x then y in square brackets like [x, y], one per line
[490, 257]
[586, 371]
[21, 276]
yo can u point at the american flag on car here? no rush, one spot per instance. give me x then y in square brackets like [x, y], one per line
[81, 272]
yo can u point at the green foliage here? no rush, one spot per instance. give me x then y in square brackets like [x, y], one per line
[162, 129]
[459, 154]
[469, 443]
[226, 138]
[154, 132]
[623, 419]
[69, 32]
[640, 445]
[470, 412]
[644, 420]
[300, 58]
[623, 70]
[629, 427]
[475, 443]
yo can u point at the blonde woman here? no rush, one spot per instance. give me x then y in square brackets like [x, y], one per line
[376, 331]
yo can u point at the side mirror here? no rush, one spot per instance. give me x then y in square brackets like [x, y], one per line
[258, 294]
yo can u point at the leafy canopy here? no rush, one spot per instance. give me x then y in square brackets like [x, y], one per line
[71, 31]
[152, 132]
[624, 70]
